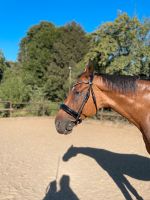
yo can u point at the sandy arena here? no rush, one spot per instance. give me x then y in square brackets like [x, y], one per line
[107, 161]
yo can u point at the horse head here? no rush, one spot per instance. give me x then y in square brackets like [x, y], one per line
[79, 104]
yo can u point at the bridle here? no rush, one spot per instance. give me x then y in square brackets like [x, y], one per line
[73, 113]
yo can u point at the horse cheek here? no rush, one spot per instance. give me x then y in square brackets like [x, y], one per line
[88, 110]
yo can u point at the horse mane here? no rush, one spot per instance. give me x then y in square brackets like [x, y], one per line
[120, 83]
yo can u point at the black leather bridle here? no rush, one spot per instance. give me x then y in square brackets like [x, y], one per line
[73, 113]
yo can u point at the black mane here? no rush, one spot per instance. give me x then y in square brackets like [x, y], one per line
[121, 83]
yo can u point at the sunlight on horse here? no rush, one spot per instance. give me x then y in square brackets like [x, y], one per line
[127, 95]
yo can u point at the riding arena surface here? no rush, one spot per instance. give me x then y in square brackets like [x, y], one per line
[108, 161]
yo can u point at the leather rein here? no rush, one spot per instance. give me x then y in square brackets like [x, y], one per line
[73, 113]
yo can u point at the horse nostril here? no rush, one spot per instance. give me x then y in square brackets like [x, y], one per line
[69, 126]
[64, 126]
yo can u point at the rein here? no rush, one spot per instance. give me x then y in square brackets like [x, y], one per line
[73, 113]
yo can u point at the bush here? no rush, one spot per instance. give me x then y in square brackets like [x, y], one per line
[13, 87]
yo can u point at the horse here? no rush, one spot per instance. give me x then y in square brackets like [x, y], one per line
[127, 95]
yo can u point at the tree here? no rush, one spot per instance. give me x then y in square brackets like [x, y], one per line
[120, 47]
[13, 87]
[3, 65]
[46, 54]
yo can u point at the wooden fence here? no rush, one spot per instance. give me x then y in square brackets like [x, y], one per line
[6, 106]
[11, 109]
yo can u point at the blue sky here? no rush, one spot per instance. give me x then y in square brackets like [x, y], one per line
[17, 16]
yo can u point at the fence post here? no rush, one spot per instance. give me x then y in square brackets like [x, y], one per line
[10, 109]
[43, 113]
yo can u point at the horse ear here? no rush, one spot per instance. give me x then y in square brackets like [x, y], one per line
[89, 70]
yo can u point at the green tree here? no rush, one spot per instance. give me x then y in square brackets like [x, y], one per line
[3, 65]
[47, 52]
[120, 47]
[13, 87]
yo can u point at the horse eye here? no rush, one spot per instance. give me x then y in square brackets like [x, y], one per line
[77, 92]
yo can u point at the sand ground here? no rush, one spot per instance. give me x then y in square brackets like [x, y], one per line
[106, 162]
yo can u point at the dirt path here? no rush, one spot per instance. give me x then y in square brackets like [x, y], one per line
[107, 161]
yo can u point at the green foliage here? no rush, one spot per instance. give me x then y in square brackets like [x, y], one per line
[46, 54]
[43, 108]
[3, 65]
[120, 47]
[13, 88]
[40, 106]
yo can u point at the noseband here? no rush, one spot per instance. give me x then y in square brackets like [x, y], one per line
[73, 113]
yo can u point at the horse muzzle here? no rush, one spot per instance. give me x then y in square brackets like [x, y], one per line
[64, 126]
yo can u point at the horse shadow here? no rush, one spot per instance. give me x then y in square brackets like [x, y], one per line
[65, 192]
[117, 165]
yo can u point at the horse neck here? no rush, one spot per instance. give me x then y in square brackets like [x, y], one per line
[122, 102]
[97, 154]
[84, 150]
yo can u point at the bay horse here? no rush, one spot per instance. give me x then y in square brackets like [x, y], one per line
[127, 95]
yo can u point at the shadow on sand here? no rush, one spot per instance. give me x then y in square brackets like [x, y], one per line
[117, 165]
[65, 192]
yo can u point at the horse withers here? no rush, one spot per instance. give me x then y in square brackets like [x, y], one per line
[127, 95]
